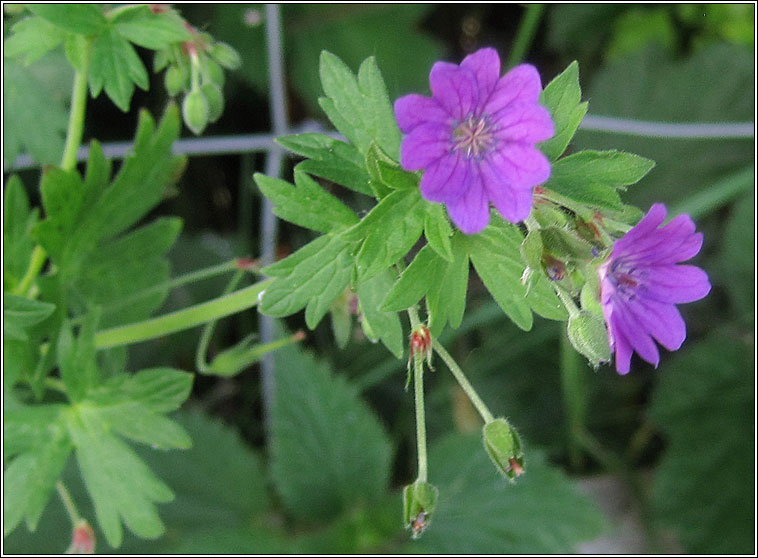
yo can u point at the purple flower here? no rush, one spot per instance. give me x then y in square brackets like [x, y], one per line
[475, 139]
[641, 282]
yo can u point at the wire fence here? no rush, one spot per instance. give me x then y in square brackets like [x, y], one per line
[264, 142]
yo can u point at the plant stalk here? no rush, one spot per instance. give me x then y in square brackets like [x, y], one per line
[181, 319]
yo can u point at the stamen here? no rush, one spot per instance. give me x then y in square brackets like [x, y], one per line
[473, 137]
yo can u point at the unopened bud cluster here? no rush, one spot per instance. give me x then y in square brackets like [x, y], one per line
[195, 69]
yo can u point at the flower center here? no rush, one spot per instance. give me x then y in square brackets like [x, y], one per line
[473, 137]
[626, 278]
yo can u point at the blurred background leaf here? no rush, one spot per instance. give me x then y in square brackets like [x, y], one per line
[479, 512]
[705, 482]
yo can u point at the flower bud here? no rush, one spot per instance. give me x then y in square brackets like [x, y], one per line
[421, 344]
[504, 447]
[195, 111]
[419, 501]
[226, 56]
[82, 539]
[175, 79]
[588, 335]
[212, 72]
[215, 101]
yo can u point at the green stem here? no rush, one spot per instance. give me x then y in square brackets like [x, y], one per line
[205, 336]
[463, 382]
[68, 162]
[181, 319]
[37, 260]
[76, 118]
[568, 302]
[68, 503]
[190, 277]
[718, 194]
[574, 400]
[525, 34]
[418, 386]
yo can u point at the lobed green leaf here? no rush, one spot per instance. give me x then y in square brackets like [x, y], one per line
[307, 205]
[32, 38]
[313, 277]
[562, 98]
[116, 67]
[359, 108]
[378, 324]
[592, 177]
[151, 30]
[83, 19]
[330, 159]
[495, 253]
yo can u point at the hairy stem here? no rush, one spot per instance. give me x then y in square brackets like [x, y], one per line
[205, 336]
[463, 382]
[181, 319]
[418, 387]
[76, 118]
[68, 503]
[37, 260]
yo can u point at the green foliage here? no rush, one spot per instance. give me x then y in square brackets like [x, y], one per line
[311, 278]
[82, 19]
[18, 220]
[141, 26]
[359, 108]
[389, 231]
[562, 97]
[32, 37]
[592, 177]
[330, 159]
[705, 483]
[637, 28]
[25, 98]
[352, 32]
[307, 204]
[85, 218]
[116, 67]
[737, 260]
[496, 255]
[651, 85]
[478, 512]
[378, 324]
[329, 453]
[37, 436]
[20, 313]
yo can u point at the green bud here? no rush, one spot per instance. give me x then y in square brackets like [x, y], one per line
[531, 250]
[175, 79]
[503, 445]
[195, 111]
[226, 56]
[419, 502]
[566, 245]
[215, 99]
[548, 215]
[161, 59]
[588, 297]
[212, 72]
[588, 335]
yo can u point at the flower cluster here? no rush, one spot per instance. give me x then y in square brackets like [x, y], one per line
[475, 139]
[642, 281]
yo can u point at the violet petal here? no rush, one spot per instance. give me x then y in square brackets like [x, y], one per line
[424, 145]
[413, 110]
